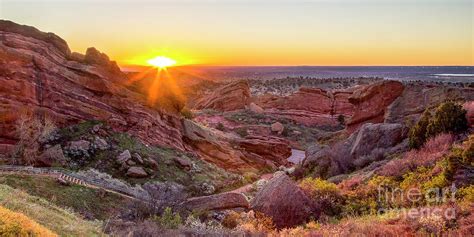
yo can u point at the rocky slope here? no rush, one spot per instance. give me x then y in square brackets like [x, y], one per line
[39, 73]
[39, 76]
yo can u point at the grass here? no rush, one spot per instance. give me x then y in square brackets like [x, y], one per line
[87, 201]
[56, 219]
[17, 224]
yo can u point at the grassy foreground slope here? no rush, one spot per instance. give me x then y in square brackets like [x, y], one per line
[56, 219]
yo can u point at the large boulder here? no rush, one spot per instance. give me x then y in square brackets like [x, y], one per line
[38, 74]
[371, 102]
[235, 153]
[216, 202]
[136, 172]
[283, 201]
[231, 96]
[51, 156]
[370, 143]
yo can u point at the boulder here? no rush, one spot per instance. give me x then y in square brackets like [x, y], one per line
[256, 109]
[231, 96]
[283, 201]
[100, 144]
[183, 163]
[372, 142]
[216, 202]
[37, 71]
[124, 157]
[136, 172]
[52, 156]
[79, 148]
[371, 102]
[277, 127]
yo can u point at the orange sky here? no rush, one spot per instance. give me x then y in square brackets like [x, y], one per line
[260, 32]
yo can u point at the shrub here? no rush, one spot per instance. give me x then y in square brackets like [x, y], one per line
[169, 219]
[449, 117]
[417, 134]
[435, 149]
[31, 129]
[17, 224]
[187, 113]
[325, 193]
[220, 126]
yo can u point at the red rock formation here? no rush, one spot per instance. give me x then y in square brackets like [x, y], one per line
[233, 153]
[310, 106]
[371, 102]
[284, 202]
[416, 98]
[36, 74]
[228, 97]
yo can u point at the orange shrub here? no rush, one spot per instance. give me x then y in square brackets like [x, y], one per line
[17, 224]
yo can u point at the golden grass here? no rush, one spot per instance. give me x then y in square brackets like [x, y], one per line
[61, 221]
[17, 224]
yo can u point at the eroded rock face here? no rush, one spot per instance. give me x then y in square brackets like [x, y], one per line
[39, 73]
[215, 202]
[370, 143]
[310, 106]
[284, 202]
[228, 97]
[371, 102]
[234, 153]
[416, 98]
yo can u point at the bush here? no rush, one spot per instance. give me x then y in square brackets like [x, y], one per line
[220, 126]
[325, 193]
[31, 129]
[449, 117]
[168, 219]
[417, 135]
[187, 113]
[17, 224]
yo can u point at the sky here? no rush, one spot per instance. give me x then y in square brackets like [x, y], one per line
[260, 32]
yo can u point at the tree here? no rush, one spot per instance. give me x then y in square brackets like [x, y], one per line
[448, 118]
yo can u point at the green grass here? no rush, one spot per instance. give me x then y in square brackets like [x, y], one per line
[59, 220]
[86, 201]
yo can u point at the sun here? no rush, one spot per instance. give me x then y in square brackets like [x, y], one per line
[161, 62]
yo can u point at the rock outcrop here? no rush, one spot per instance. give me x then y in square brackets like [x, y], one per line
[310, 106]
[469, 107]
[370, 143]
[38, 73]
[284, 202]
[416, 98]
[234, 153]
[371, 102]
[228, 97]
[216, 202]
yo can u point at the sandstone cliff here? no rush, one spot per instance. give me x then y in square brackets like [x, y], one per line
[38, 73]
